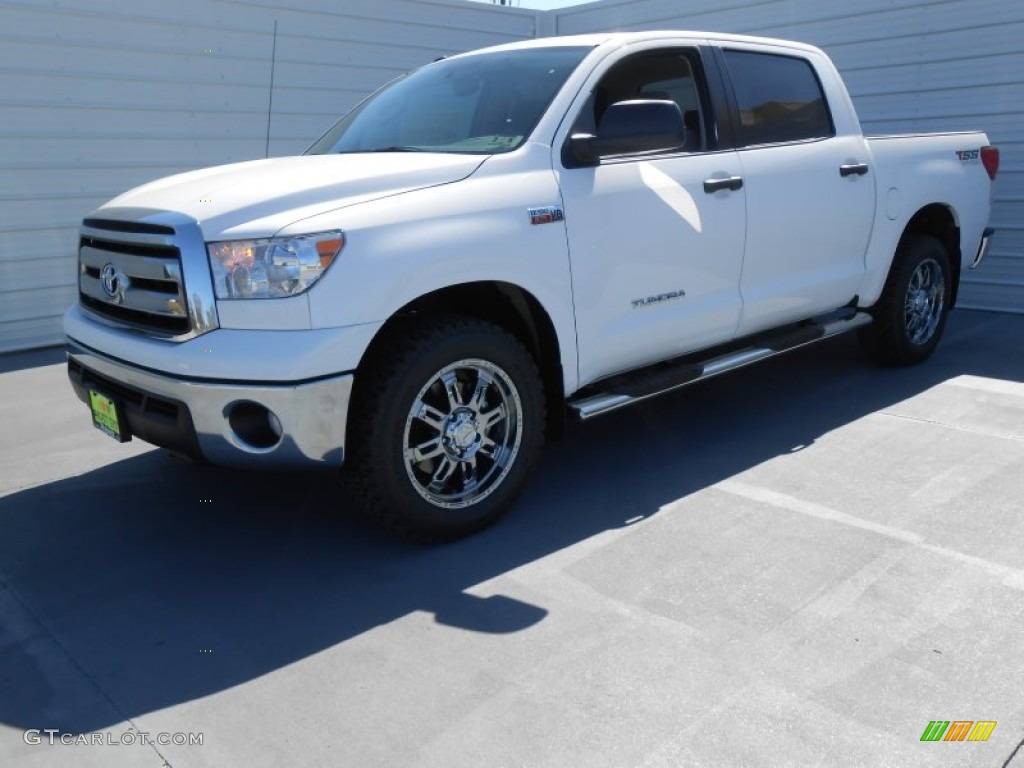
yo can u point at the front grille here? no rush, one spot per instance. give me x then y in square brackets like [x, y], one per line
[139, 227]
[137, 282]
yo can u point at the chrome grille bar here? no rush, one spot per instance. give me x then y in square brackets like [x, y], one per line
[146, 271]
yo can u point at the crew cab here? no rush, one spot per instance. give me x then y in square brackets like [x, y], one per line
[507, 238]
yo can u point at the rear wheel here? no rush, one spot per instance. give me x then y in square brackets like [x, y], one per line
[910, 315]
[447, 423]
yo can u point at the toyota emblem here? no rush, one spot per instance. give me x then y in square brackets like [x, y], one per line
[113, 282]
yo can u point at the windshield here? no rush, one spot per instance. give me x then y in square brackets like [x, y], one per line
[478, 104]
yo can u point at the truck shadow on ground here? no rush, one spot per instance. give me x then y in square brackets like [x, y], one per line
[159, 583]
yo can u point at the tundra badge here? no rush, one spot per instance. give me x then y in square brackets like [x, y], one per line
[545, 215]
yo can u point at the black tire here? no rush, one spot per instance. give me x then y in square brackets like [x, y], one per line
[446, 423]
[910, 315]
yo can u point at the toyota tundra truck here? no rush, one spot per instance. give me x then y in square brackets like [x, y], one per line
[509, 238]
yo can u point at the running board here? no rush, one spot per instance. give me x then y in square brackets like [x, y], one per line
[635, 386]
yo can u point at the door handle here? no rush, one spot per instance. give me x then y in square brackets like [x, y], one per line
[713, 185]
[854, 168]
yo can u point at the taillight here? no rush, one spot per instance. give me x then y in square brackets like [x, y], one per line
[990, 159]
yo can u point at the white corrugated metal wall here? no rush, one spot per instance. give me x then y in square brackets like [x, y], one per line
[99, 96]
[911, 66]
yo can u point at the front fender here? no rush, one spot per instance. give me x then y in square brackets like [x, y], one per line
[475, 230]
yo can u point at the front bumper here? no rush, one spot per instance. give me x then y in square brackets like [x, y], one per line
[225, 423]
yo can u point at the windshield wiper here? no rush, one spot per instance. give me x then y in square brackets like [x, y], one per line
[383, 149]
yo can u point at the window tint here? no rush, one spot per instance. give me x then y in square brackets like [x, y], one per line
[668, 75]
[779, 97]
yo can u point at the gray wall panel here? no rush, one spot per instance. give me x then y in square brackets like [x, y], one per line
[99, 96]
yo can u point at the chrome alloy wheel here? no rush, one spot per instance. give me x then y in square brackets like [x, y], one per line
[463, 433]
[924, 301]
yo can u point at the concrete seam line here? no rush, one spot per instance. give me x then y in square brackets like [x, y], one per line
[1012, 577]
[957, 427]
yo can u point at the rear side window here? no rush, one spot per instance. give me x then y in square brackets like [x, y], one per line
[779, 98]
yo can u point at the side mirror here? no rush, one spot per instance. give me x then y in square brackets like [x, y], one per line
[641, 125]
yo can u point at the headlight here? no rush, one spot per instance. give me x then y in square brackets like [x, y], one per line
[271, 268]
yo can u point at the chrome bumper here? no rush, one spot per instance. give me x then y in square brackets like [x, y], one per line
[236, 424]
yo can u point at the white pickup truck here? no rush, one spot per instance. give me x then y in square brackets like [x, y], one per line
[508, 238]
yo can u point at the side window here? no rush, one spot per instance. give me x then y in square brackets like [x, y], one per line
[779, 98]
[670, 75]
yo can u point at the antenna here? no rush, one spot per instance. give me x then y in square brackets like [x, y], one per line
[270, 101]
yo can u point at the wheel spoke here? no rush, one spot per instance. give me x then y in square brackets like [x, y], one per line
[463, 432]
[496, 453]
[913, 317]
[429, 414]
[445, 468]
[479, 398]
[468, 473]
[424, 451]
[922, 305]
[451, 388]
[487, 420]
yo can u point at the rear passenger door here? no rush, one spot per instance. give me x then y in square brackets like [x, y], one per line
[810, 192]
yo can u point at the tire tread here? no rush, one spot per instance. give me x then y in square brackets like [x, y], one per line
[885, 341]
[410, 343]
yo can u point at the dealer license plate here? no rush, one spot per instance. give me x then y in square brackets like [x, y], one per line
[107, 416]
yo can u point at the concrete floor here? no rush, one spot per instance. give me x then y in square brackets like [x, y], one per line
[799, 564]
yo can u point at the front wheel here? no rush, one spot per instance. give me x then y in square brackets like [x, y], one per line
[446, 425]
[910, 315]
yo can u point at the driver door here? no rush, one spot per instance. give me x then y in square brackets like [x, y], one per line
[656, 246]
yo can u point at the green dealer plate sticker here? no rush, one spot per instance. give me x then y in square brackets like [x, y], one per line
[106, 415]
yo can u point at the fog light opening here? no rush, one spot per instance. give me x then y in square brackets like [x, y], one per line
[254, 425]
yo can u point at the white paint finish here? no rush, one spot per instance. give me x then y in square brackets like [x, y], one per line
[635, 227]
[920, 166]
[807, 226]
[228, 354]
[257, 198]
[403, 247]
[911, 66]
[629, 242]
[641, 228]
[807, 229]
[99, 97]
[673, 194]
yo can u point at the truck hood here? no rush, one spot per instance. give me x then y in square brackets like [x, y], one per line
[260, 197]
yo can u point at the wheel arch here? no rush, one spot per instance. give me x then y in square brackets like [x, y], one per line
[940, 221]
[504, 304]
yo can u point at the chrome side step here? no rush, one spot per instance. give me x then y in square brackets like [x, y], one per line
[635, 386]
